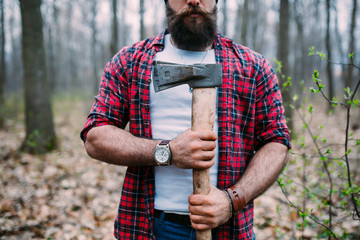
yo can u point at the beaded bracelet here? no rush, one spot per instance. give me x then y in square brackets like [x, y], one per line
[231, 203]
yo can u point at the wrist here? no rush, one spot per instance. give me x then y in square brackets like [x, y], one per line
[162, 153]
[230, 204]
[238, 200]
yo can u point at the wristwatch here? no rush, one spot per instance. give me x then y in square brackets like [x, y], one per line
[162, 153]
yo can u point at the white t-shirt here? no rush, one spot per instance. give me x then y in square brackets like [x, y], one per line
[171, 115]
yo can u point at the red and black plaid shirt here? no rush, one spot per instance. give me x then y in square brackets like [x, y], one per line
[250, 114]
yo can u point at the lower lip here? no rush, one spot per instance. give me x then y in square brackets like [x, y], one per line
[195, 15]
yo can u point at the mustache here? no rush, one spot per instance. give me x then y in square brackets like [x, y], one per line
[194, 9]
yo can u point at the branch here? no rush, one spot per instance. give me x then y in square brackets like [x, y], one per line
[312, 217]
[324, 164]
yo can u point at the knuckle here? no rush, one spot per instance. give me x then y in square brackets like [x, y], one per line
[195, 146]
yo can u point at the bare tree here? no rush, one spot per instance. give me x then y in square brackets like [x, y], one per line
[51, 26]
[300, 51]
[142, 15]
[283, 50]
[329, 69]
[93, 11]
[225, 18]
[114, 28]
[245, 22]
[123, 28]
[40, 134]
[349, 75]
[2, 64]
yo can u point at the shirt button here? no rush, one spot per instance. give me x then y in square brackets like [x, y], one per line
[149, 80]
[147, 108]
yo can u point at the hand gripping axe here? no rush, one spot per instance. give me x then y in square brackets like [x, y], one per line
[202, 78]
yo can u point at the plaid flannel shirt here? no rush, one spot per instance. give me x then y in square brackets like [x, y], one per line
[250, 114]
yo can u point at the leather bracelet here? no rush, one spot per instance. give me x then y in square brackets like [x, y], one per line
[230, 202]
[237, 198]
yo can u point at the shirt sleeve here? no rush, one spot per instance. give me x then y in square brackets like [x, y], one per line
[111, 104]
[270, 121]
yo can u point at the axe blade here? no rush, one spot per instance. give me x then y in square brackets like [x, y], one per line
[168, 75]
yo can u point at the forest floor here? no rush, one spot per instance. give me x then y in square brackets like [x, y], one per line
[67, 195]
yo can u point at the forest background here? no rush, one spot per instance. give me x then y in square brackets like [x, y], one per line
[52, 54]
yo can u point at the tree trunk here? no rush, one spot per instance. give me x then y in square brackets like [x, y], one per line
[142, 13]
[245, 22]
[329, 52]
[94, 44]
[349, 75]
[114, 29]
[283, 56]
[299, 48]
[2, 65]
[123, 27]
[225, 19]
[52, 33]
[40, 134]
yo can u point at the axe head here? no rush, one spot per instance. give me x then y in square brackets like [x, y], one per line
[167, 75]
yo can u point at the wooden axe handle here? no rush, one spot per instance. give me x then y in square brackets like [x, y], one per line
[203, 118]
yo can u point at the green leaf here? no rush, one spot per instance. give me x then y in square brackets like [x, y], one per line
[323, 158]
[348, 151]
[311, 51]
[310, 109]
[280, 181]
[322, 55]
[351, 55]
[315, 75]
[328, 151]
[347, 90]
[313, 90]
[356, 102]
[358, 142]
[299, 226]
[279, 65]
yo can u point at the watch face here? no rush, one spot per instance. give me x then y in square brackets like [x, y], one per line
[162, 155]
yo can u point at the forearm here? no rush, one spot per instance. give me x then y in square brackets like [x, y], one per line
[117, 146]
[263, 169]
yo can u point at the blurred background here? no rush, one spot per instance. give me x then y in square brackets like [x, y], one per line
[52, 54]
[80, 36]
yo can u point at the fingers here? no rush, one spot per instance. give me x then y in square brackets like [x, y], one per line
[209, 211]
[194, 149]
[206, 135]
[202, 218]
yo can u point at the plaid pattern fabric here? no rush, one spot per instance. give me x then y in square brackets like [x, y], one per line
[250, 114]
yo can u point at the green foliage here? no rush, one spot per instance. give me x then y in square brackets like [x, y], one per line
[279, 66]
[323, 178]
[312, 52]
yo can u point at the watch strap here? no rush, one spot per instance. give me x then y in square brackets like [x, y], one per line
[237, 198]
[164, 142]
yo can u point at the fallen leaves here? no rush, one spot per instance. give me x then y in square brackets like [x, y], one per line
[61, 195]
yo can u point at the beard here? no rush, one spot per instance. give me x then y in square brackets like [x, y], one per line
[192, 34]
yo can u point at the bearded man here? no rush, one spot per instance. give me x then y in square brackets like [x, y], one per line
[245, 153]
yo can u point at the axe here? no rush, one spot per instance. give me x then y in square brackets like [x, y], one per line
[202, 78]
